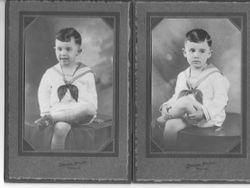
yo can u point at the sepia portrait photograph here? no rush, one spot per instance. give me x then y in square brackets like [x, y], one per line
[69, 81]
[196, 85]
[191, 92]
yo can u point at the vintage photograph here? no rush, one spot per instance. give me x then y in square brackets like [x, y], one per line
[126, 92]
[196, 84]
[191, 92]
[67, 92]
[69, 82]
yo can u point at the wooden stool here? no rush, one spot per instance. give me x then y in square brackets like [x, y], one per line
[193, 139]
[213, 139]
[94, 137]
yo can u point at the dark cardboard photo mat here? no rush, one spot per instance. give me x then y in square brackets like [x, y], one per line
[75, 166]
[184, 167]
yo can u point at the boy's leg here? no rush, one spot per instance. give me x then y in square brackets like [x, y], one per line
[74, 113]
[171, 129]
[61, 130]
[184, 105]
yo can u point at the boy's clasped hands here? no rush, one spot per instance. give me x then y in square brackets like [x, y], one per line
[198, 115]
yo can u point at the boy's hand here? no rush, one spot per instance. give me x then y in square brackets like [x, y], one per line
[198, 115]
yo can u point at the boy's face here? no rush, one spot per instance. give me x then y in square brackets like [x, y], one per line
[66, 52]
[197, 54]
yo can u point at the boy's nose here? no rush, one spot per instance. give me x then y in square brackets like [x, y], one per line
[196, 54]
[63, 52]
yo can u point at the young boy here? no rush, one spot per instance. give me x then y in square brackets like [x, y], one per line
[67, 92]
[201, 92]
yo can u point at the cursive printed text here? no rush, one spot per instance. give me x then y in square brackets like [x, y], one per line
[199, 166]
[72, 165]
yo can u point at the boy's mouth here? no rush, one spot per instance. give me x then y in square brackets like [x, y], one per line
[196, 61]
[64, 59]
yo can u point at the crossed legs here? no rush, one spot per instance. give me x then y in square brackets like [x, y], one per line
[184, 105]
[61, 130]
[75, 113]
[172, 127]
[65, 117]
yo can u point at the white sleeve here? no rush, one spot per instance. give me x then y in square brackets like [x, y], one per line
[180, 85]
[212, 108]
[44, 92]
[87, 89]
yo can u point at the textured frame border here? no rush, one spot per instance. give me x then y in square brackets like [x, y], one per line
[109, 172]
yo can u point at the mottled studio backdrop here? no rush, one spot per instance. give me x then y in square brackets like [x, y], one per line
[167, 58]
[98, 50]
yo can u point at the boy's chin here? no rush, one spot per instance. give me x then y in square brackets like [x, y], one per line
[198, 66]
[65, 62]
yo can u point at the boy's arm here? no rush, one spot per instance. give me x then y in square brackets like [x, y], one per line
[44, 92]
[212, 108]
[87, 89]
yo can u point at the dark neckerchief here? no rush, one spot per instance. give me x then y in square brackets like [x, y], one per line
[62, 90]
[74, 92]
[192, 88]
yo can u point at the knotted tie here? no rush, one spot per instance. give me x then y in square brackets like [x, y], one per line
[195, 92]
[74, 92]
[192, 89]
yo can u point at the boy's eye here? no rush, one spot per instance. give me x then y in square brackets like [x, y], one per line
[202, 50]
[68, 49]
[192, 50]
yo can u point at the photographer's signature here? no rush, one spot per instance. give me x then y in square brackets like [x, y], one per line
[72, 165]
[199, 166]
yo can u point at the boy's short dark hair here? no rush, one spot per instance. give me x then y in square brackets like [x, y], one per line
[65, 35]
[198, 35]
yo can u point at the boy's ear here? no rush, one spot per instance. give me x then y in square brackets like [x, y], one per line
[79, 50]
[184, 52]
[211, 53]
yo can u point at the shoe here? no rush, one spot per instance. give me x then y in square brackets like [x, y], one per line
[164, 118]
[161, 119]
[44, 122]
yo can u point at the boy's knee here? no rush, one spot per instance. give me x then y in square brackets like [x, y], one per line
[91, 110]
[86, 114]
[186, 102]
[89, 113]
[61, 128]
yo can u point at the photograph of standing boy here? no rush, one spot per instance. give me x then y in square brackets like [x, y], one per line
[67, 92]
[201, 92]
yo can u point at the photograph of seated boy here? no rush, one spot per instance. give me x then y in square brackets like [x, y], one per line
[201, 91]
[67, 91]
